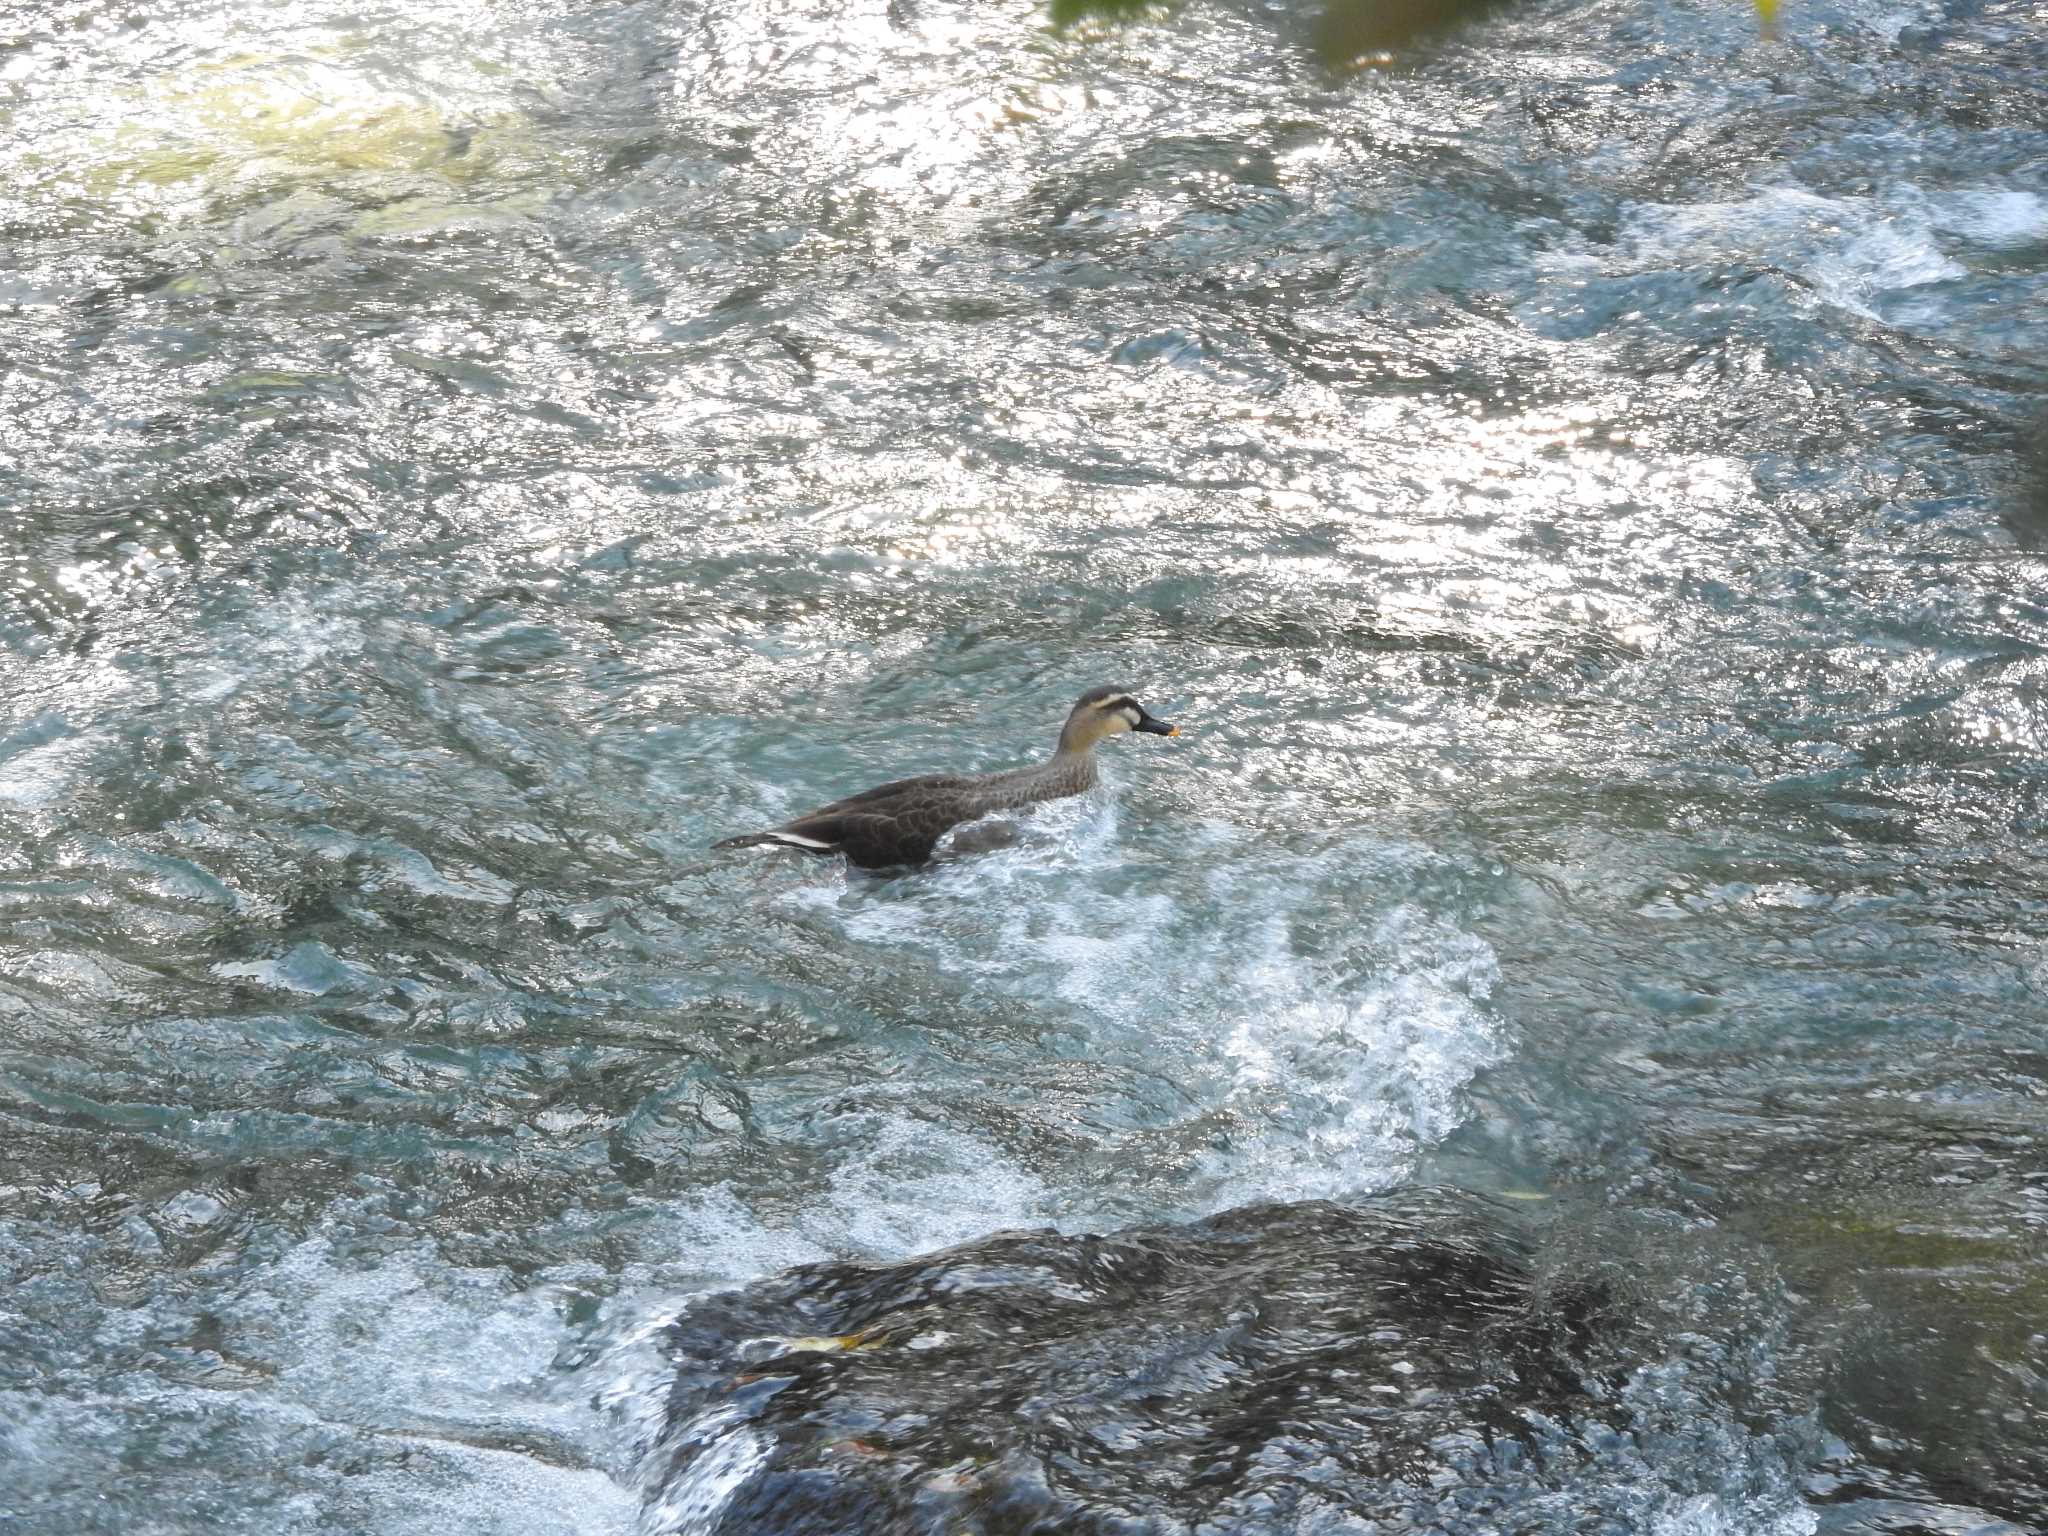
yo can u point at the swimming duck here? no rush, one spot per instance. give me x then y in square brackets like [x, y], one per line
[900, 822]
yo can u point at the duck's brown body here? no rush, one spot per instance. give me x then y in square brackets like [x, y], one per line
[902, 821]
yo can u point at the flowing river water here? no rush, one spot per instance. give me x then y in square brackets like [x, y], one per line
[461, 459]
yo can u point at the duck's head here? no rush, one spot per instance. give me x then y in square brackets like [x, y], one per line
[1104, 712]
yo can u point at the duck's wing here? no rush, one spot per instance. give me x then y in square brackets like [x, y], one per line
[873, 839]
[925, 787]
[894, 823]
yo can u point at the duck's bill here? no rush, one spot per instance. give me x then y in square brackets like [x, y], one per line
[1158, 727]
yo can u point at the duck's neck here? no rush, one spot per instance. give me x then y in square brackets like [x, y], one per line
[1076, 740]
[1068, 771]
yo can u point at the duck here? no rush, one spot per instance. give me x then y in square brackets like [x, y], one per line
[899, 823]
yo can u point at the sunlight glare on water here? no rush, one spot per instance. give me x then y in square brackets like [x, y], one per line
[464, 460]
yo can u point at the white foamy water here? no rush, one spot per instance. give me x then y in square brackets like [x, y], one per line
[418, 1394]
[1305, 1031]
[1339, 1083]
[1855, 251]
[692, 1504]
[2002, 216]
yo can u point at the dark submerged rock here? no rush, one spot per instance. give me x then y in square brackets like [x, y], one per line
[1266, 1365]
[1913, 1219]
[1344, 32]
[2026, 512]
[1349, 31]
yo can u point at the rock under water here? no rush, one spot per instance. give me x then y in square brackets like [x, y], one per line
[1390, 1360]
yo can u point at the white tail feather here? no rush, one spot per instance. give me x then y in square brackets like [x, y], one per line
[798, 840]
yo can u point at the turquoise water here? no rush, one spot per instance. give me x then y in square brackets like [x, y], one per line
[464, 460]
